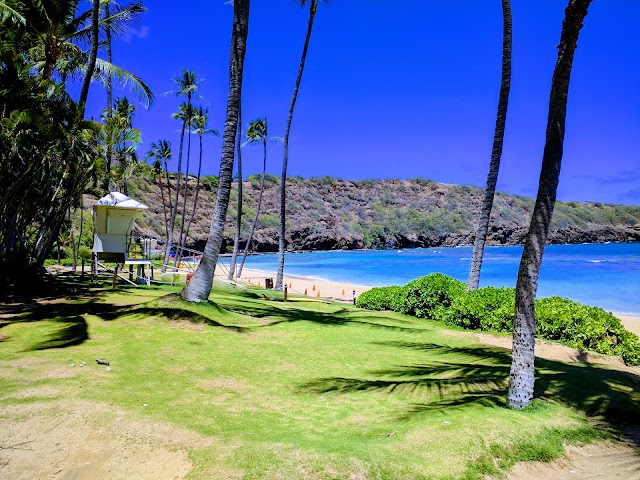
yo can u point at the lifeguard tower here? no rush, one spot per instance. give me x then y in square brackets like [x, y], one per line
[113, 218]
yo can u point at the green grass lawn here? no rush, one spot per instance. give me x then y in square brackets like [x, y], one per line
[306, 390]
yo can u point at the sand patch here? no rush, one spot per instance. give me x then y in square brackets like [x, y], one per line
[85, 440]
[603, 461]
[630, 323]
[550, 350]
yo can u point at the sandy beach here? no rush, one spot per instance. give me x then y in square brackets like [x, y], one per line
[307, 286]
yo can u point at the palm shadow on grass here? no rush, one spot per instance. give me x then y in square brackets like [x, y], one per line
[466, 376]
[74, 329]
[286, 313]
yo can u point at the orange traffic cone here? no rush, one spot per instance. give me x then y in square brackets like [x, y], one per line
[343, 291]
[314, 287]
[258, 283]
[290, 284]
[318, 294]
[305, 291]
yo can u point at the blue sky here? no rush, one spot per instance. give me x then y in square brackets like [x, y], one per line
[404, 89]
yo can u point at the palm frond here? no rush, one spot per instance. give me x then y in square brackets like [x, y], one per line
[8, 13]
[139, 88]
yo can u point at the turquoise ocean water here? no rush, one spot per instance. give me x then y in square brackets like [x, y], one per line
[603, 275]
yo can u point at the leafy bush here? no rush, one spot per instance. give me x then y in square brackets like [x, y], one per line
[439, 297]
[581, 326]
[431, 296]
[382, 298]
[488, 308]
[209, 182]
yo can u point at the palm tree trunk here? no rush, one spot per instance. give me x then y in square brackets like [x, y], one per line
[183, 215]
[521, 381]
[109, 88]
[496, 152]
[283, 189]
[174, 206]
[236, 241]
[91, 66]
[199, 288]
[164, 204]
[255, 219]
[166, 227]
[195, 198]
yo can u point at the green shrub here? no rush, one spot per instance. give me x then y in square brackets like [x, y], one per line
[581, 326]
[382, 298]
[209, 182]
[431, 296]
[489, 309]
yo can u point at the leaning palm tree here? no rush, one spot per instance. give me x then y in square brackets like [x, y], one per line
[496, 152]
[521, 378]
[199, 288]
[200, 123]
[256, 133]
[313, 6]
[93, 56]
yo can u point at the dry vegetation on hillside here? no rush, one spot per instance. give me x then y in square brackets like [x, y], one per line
[327, 213]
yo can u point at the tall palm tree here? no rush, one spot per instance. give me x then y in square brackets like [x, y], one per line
[187, 84]
[93, 56]
[496, 152]
[199, 288]
[200, 123]
[236, 239]
[126, 139]
[107, 14]
[161, 151]
[190, 116]
[521, 379]
[60, 29]
[313, 6]
[256, 133]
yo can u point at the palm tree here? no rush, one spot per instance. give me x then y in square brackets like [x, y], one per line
[107, 14]
[189, 118]
[126, 139]
[187, 84]
[91, 66]
[59, 30]
[161, 151]
[256, 133]
[236, 240]
[313, 6]
[199, 288]
[200, 122]
[521, 379]
[496, 152]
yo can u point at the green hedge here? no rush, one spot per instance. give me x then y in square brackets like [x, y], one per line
[488, 308]
[382, 298]
[439, 297]
[582, 326]
[431, 296]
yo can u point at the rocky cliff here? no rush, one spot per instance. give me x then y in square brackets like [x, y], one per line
[327, 213]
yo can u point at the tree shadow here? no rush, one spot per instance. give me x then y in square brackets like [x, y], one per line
[75, 329]
[338, 316]
[74, 332]
[479, 376]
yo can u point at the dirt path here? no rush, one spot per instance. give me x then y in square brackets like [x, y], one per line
[86, 440]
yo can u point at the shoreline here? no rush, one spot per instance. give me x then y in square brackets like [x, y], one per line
[330, 290]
